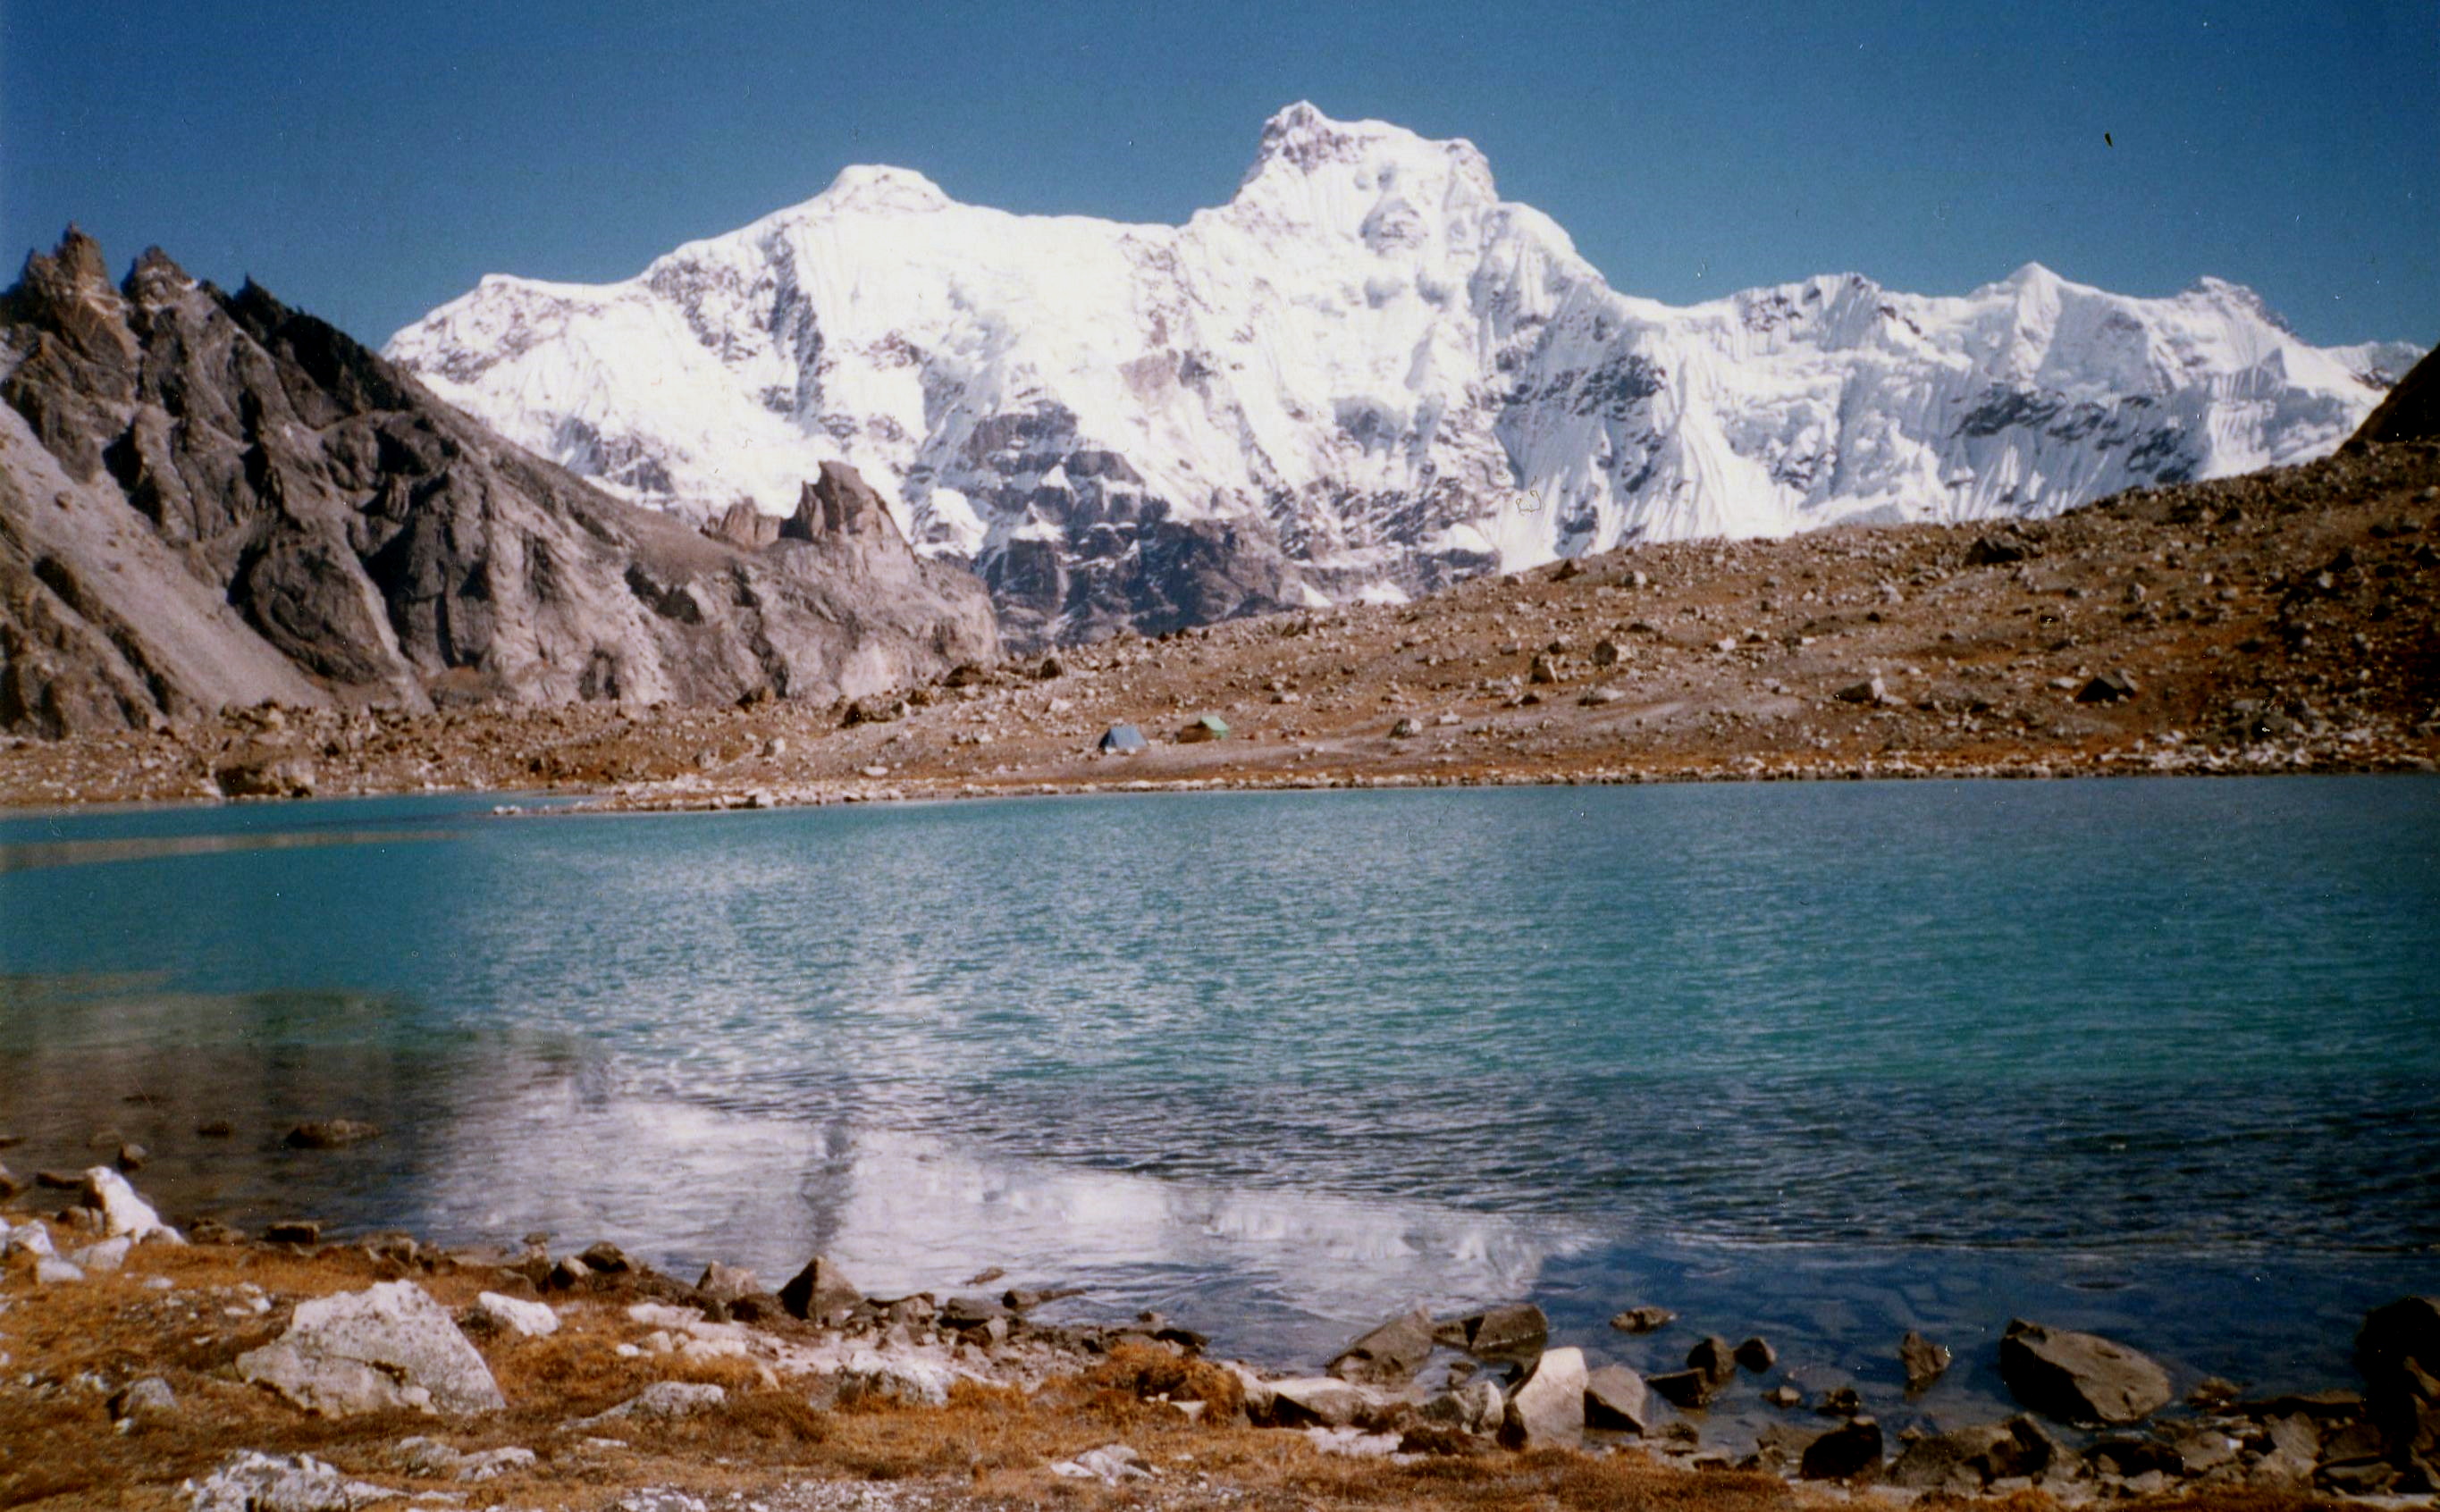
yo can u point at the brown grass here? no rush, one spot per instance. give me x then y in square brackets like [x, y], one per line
[988, 1447]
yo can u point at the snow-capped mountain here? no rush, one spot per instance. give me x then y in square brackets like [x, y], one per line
[1363, 376]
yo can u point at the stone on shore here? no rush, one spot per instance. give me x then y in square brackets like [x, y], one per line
[1689, 1390]
[1320, 1401]
[388, 1347]
[1842, 1453]
[1516, 1328]
[123, 1213]
[1756, 1355]
[904, 1379]
[726, 1283]
[52, 1271]
[1615, 1398]
[1547, 1409]
[1922, 1361]
[30, 1238]
[1473, 1407]
[2079, 1378]
[1389, 1355]
[505, 1314]
[819, 1293]
[1967, 1460]
[251, 1481]
[1712, 1356]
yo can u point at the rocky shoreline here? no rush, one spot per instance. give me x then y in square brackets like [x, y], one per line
[209, 1369]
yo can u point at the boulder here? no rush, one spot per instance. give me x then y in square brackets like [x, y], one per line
[434, 1460]
[662, 1401]
[330, 1134]
[726, 1283]
[123, 1214]
[1511, 1330]
[2079, 1378]
[52, 1271]
[150, 1396]
[1690, 1390]
[1615, 1398]
[1642, 1320]
[502, 1314]
[1320, 1401]
[386, 1347]
[906, 1379]
[100, 1259]
[1922, 1361]
[1712, 1356]
[605, 1258]
[2114, 686]
[1389, 1355]
[1547, 1410]
[1474, 1406]
[1844, 1452]
[265, 771]
[250, 1480]
[1109, 1465]
[1756, 1355]
[967, 1314]
[819, 1293]
[1967, 1460]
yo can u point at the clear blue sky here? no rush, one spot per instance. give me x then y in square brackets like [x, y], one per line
[368, 162]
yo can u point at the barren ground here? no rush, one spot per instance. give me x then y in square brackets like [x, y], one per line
[2280, 622]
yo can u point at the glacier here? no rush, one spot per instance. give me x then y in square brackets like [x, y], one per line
[1364, 376]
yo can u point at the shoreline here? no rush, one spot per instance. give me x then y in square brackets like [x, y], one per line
[2284, 621]
[637, 1384]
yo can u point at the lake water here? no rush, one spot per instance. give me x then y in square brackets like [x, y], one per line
[1824, 1061]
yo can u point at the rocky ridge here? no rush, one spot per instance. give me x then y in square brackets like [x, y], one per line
[208, 499]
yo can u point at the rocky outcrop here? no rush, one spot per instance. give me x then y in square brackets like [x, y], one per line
[2409, 411]
[210, 499]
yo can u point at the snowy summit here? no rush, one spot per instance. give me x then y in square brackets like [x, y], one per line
[1362, 376]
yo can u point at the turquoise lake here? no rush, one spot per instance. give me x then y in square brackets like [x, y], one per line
[2159, 1057]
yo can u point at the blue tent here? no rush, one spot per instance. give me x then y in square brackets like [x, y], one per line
[1123, 740]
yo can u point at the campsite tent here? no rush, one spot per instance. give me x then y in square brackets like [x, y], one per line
[1207, 727]
[1123, 740]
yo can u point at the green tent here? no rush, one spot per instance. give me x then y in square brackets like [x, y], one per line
[1207, 727]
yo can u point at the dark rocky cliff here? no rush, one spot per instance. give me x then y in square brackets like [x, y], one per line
[208, 498]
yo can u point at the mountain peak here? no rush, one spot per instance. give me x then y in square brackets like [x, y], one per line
[879, 187]
[1303, 139]
[2239, 296]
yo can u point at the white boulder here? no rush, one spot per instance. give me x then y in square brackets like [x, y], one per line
[387, 1346]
